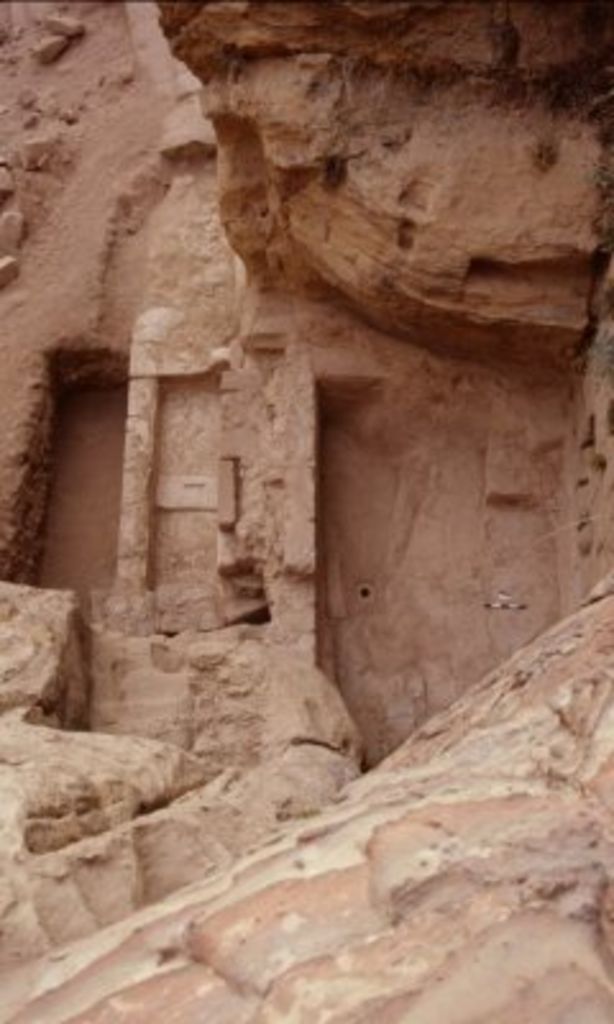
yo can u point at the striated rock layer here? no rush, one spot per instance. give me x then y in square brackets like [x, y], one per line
[213, 745]
[430, 163]
[468, 878]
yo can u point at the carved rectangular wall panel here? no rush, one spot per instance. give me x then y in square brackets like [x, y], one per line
[424, 583]
[186, 501]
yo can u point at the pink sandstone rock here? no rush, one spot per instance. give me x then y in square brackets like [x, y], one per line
[9, 270]
[50, 48]
[478, 853]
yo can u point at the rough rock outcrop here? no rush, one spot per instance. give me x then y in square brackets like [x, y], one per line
[41, 659]
[395, 154]
[96, 827]
[77, 286]
[230, 697]
[56, 788]
[467, 878]
[361, 445]
[420, 196]
[218, 741]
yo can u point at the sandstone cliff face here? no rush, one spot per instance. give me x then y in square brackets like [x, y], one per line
[78, 138]
[431, 165]
[419, 178]
[108, 170]
[360, 415]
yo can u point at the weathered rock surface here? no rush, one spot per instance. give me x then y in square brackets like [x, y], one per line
[96, 826]
[467, 878]
[56, 788]
[393, 155]
[41, 663]
[443, 172]
[98, 106]
[228, 697]
[408, 518]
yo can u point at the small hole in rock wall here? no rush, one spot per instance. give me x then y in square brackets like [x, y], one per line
[258, 617]
[335, 171]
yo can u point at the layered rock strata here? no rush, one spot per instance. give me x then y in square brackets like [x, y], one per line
[466, 878]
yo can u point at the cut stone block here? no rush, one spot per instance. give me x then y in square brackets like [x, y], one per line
[40, 654]
[9, 270]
